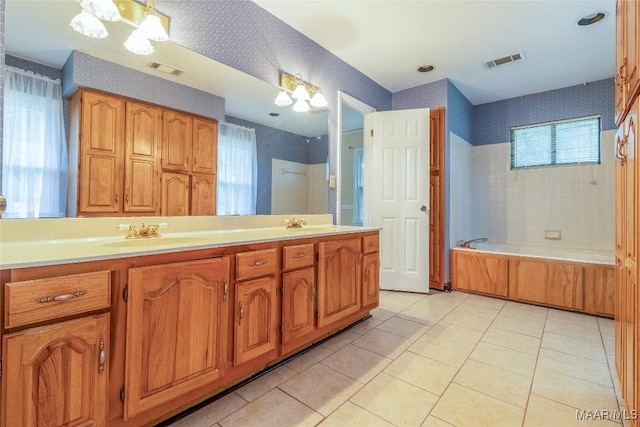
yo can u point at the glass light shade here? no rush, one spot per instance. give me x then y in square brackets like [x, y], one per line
[138, 44]
[283, 99]
[152, 28]
[301, 106]
[88, 25]
[318, 100]
[101, 9]
[300, 93]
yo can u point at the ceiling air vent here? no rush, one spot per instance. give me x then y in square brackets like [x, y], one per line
[504, 60]
[166, 69]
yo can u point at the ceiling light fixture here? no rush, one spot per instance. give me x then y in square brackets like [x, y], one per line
[148, 22]
[591, 19]
[294, 88]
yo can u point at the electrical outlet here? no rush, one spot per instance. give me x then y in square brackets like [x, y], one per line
[332, 181]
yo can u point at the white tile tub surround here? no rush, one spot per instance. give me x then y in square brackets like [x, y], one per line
[461, 180]
[517, 206]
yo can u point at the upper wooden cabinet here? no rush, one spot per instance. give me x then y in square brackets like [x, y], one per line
[627, 56]
[205, 146]
[339, 280]
[189, 144]
[101, 157]
[176, 330]
[177, 135]
[57, 375]
[119, 147]
[142, 153]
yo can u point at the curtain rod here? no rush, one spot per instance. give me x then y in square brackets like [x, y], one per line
[31, 74]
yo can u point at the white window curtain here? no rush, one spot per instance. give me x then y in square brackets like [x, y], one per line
[34, 146]
[237, 170]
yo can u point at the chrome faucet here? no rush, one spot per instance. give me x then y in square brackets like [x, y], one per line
[470, 243]
[294, 223]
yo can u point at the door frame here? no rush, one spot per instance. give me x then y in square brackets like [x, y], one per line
[365, 109]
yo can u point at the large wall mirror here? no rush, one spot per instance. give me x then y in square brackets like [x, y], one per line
[292, 148]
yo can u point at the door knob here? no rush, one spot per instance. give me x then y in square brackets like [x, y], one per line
[423, 208]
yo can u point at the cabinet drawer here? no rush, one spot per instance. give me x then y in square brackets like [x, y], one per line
[297, 256]
[370, 244]
[256, 264]
[44, 299]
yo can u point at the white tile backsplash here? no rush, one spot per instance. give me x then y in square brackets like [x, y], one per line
[488, 199]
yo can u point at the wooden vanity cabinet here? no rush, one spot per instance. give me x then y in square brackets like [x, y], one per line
[339, 280]
[176, 330]
[256, 317]
[370, 271]
[57, 375]
[298, 296]
[55, 372]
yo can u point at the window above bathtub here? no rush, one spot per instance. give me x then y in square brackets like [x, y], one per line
[565, 142]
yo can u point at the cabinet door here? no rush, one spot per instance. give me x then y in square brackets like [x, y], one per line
[203, 195]
[620, 315]
[339, 280]
[370, 278]
[631, 188]
[631, 46]
[177, 135]
[435, 252]
[620, 196]
[630, 349]
[256, 317]
[205, 146]
[298, 304]
[101, 154]
[175, 194]
[175, 330]
[142, 159]
[57, 375]
[620, 60]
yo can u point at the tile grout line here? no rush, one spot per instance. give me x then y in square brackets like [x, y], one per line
[535, 368]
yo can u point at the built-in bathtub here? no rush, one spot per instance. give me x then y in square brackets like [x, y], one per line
[581, 280]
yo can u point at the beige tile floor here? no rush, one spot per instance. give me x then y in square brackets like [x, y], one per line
[443, 359]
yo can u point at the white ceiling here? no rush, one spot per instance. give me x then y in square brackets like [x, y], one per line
[385, 40]
[388, 41]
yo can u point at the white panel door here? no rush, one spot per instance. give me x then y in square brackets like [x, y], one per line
[399, 177]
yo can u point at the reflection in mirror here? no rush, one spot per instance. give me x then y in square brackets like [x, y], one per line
[39, 39]
[351, 168]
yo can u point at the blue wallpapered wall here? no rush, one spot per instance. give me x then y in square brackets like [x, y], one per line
[82, 70]
[2, 18]
[41, 69]
[491, 122]
[429, 95]
[277, 144]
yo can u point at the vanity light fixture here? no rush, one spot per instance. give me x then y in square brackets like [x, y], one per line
[302, 92]
[148, 22]
[150, 29]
